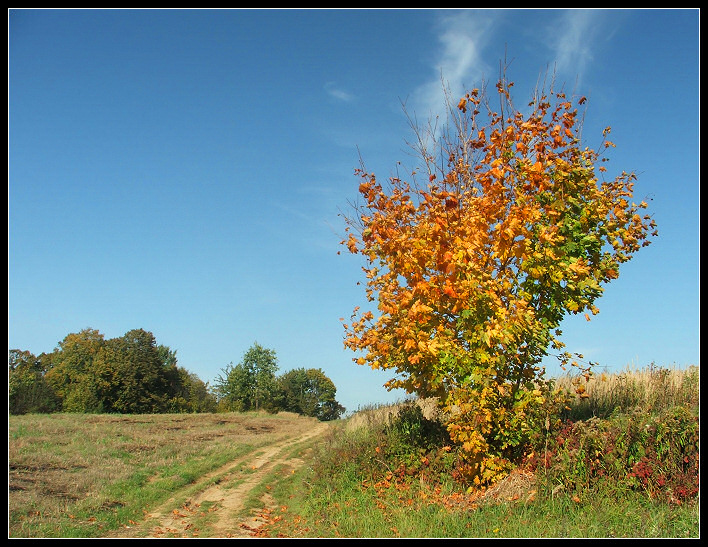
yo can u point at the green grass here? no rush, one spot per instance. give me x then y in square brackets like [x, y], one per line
[592, 486]
[347, 505]
[610, 473]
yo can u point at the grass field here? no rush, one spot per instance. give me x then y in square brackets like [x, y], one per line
[75, 475]
[79, 475]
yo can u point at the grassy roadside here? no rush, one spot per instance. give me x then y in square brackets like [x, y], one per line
[370, 481]
[348, 505]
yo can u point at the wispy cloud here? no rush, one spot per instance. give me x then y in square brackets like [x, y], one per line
[574, 37]
[571, 39]
[333, 90]
[572, 44]
[459, 63]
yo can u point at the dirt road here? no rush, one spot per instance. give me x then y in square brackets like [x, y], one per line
[215, 505]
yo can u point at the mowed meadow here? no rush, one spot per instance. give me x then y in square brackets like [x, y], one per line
[618, 458]
[90, 475]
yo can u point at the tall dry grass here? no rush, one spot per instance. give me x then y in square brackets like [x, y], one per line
[650, 389]
[375, 416]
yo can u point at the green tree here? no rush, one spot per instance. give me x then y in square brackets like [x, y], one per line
[130, 376]
[231, 389]
[309, 392]
[28, 390]
[86, 373]
[175, 388]
[191, 394]
[251, 384]
[71, 373]
[198, 394]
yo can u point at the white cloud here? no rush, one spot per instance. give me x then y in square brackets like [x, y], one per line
[572, 46]
[334, 91]
[577, 34]
[459, 63]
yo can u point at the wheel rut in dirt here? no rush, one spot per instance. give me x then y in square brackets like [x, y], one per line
[218, 510]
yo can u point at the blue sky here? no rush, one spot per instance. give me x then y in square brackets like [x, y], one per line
[182, 171]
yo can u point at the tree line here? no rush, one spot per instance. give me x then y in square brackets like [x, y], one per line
[252, 384]
[133, 374]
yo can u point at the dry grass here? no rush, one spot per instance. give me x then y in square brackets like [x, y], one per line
[385, 414]
[651, 389]
[64, 468]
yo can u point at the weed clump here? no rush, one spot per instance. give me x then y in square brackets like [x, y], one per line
[655, 454]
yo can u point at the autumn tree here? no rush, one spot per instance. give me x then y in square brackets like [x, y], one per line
[71, 374]
[130, 376]
[473, 260]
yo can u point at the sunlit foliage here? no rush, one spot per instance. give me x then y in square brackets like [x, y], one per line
[507, 226]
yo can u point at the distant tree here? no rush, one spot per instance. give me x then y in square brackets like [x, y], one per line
[168, 357]
[191, 394]
[71, 372]
[231, 389]
[86, 373]
[175, 379]
[28, 390]
[130, 376]
[309, 392]
[251, 384]
[186, 392]
[199, 397]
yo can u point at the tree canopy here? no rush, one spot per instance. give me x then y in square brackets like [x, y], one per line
[249, 385]
[87, 373]
[309, 392]
[253, 384]
[133, 374]
[507, 225]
